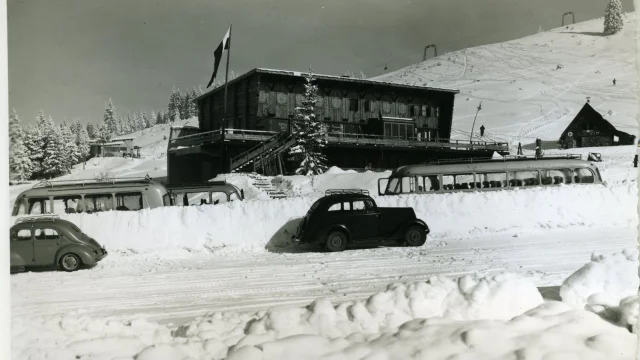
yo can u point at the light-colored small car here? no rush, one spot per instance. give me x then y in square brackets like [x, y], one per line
[47, 240]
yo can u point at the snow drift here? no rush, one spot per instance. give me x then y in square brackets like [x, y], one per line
[471, 317]
[256, 224]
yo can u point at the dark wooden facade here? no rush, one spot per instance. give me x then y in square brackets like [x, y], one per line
[385, 125]
[266, 100]
[590, 129]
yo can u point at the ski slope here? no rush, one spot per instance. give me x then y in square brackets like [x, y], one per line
[533, 87]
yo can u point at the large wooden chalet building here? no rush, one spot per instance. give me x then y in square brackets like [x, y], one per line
[368, 122]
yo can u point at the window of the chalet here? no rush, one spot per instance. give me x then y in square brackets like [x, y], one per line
[386, 107]
[367, 105]
[402, 109]
[353, 104]
[336, 103]
[424, 110]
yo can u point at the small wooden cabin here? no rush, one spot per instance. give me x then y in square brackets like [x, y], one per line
[590, 129]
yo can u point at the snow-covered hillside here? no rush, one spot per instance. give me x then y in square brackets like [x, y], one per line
[533, 87]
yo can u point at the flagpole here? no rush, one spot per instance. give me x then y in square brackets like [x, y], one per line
[226, 77]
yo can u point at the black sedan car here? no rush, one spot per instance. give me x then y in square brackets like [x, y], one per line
[351, 218]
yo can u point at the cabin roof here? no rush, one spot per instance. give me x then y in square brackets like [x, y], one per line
[327, 77]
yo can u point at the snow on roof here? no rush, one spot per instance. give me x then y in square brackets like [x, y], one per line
[329, 77]
[125, 137]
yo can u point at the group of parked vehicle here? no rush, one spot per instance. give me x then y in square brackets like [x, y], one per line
[341, 219]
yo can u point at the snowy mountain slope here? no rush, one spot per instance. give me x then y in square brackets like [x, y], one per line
[534, 86]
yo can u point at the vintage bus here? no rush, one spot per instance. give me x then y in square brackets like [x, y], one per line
[489, 174]
[211, 192]
[90, 196]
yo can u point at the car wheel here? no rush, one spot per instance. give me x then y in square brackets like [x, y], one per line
[70, 262]
[415, 236]
[336, 241]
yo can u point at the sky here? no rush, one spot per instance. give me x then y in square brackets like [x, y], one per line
[69, 57]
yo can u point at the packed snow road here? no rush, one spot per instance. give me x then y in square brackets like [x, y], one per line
[179, 288]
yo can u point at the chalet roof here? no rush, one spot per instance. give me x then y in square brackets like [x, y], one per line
[327, 77]
[588, 111]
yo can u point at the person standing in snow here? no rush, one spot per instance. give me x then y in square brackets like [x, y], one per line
[614, 82]
[482, 131]
[519, 148]
[635, 161]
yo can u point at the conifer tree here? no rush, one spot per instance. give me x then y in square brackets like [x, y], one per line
[152, 119]
[82, 142]
[160, 117]
[185, 108]
[613, 21]
[110, 118]
[54, 163]
[309, 135]
[193, 105]
[19, 160]
[91, 131]
[173, 110]
[34, 142]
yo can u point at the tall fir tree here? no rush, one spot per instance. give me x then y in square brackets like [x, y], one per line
[82, 142]
[173, 109]
[19, 160]
[160, 117]
[152, 119]
[69, 149]
[193, 105]
[34, 141]
[54, 163]
[103, 134]
[91, 131]
[613, 21]
[109, 118]
[309, 134]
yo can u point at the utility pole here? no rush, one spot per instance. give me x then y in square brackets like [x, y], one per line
[474, 122]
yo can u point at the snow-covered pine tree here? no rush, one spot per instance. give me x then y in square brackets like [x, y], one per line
[109, 118]
[103, 135]
[69, 149]
[153, 118]
[121, 130]
[82, 142]
[173, 110]
[184, 106]
[19, 160]
[139, 120]
[613, 21]
[160, 117]
[34, 142]
[91, 131]
[309, 134]
[54, 163]
[193, 105]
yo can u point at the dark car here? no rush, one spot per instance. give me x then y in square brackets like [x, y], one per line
[47, 240]
[351, 218]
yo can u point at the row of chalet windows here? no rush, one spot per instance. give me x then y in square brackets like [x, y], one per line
[414, 110]
[355, 105]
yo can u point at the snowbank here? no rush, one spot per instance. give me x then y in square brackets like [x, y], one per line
[494, 317]
[605, 280]
[258, 224]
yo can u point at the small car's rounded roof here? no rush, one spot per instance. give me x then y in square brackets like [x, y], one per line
[45, 221]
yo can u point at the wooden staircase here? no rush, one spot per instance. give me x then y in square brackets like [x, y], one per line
[265, 158]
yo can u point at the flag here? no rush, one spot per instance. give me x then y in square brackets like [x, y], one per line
[224, 45]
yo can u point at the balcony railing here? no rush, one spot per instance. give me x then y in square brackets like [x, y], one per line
[337, 138]
[392, 141]
[216, 135]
